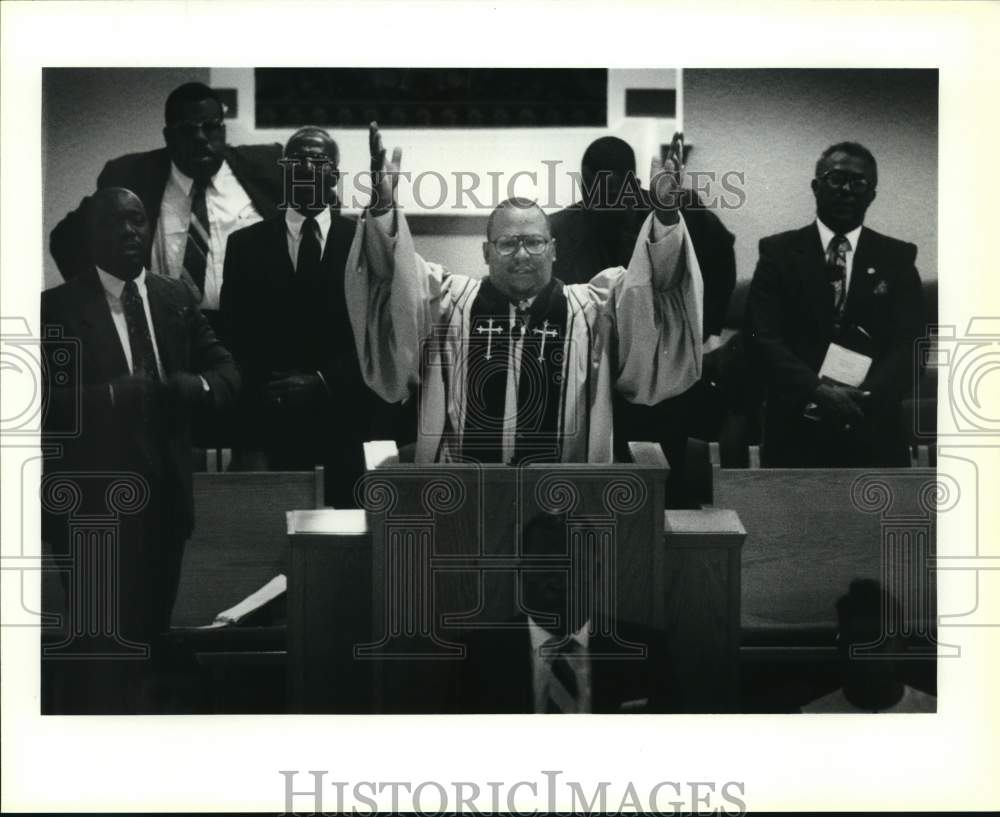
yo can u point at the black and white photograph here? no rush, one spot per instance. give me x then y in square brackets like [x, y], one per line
[461, 389]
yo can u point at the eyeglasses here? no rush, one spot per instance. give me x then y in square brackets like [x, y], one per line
[836, 179]
[509, 244]
[211, 127]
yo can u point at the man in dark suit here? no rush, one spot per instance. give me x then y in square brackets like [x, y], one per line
[565, 655]
[147, 358]
[599, 232]
[197, 190]
[305, 402]
[835, 282]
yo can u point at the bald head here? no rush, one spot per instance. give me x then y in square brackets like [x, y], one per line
[519, 210]
[119, 232]
[311, 178]
[609, 153]
[608, 167]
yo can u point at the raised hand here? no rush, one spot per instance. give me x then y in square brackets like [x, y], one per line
[385, 175]
[665, 176]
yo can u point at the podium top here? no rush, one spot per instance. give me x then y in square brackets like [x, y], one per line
[326, 521]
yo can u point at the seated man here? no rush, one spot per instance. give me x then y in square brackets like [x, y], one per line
[563, 654]
[516, 367]
[867, 650]
[305, 402]
[599, 232]
[831, 292]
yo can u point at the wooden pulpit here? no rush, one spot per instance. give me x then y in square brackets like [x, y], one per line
[381, 600]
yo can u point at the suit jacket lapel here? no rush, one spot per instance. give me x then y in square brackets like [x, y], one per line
[102, 343]
[155, 185]
[277, 244]
[816, 281]
[168, 323]
[861, 282]
[245, 174]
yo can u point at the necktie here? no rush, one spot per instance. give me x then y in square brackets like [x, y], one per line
[310, 251]
[564, 689]
[140, 338]
[521, 315]
[836, 266]
[196, 251]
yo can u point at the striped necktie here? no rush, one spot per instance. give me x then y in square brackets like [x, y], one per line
[836, 267]
[196, 251]
[563, 693]
[140, 338]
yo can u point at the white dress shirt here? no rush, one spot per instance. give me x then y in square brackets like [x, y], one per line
[541, 665]
[114, 288]
[826, 235]
[229, 209]
[293, 232]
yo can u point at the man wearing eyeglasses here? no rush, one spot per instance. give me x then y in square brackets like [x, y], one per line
[197, 191]
[516, 367]
[833, 313]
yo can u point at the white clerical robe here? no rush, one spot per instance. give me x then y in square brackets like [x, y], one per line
[637, 330]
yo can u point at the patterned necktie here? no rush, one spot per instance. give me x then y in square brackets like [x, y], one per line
[140, 339]
[310, 250]
[836, 267]
[196, 251]
[563, 689]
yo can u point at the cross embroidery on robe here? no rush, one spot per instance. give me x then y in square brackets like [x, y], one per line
[539, 392]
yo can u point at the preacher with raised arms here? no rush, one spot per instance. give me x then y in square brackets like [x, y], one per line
[517, 367]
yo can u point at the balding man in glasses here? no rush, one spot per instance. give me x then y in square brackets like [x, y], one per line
[517, 368]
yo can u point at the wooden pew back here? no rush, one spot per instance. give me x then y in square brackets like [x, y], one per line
[811, 531]
[240, 540]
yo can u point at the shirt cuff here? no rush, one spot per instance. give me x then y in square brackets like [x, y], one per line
[322, 380]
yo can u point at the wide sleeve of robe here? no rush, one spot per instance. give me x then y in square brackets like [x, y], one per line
[394, 298]
[650, 315]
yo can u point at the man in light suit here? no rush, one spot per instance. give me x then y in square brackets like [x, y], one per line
[835, 281]
[563, 655]
[147, 359]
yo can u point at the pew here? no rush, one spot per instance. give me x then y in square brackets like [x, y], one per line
[239, 544]
[380, 598]
[810, 532]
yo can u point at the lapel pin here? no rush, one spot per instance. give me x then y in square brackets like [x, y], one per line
[871, 270]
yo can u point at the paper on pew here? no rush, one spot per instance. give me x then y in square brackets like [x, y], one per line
[254, 601]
